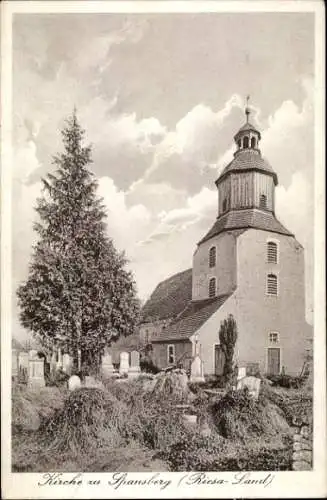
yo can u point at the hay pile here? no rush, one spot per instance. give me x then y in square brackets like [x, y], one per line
[172, 386]
[31, 406]
[91, 418]
[239, 417]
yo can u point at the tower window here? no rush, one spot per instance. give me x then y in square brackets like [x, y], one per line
[272, 284]
[239, 143]
[171, 354]
[273, 337]
[212, 287]
[246, 142]
[253, 142]
[225, 205]
[212, 257]
[263, 201]
[272, 252]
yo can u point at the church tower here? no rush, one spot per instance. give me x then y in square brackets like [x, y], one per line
[251, 266]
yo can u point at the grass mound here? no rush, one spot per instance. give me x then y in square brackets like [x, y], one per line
[237, 416]
[90, 419]
[171, 386]
[31, 406]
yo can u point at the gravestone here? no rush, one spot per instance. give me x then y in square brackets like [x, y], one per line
[36, 372]
[23, 366]
[14, 363]
[74, 382]
[107, 368]
[241, 372]
[252, 383]
[134, 369]
[197, 370]
[124, 363]
[53, 362]
[32, 354]
[66, 363]
[59, 362]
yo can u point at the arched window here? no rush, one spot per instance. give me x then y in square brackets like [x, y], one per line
[239, 143]
[225, 205]
[245, 142]
[253, 142]
[212, 287]
[212, 257]
[272, 252]
[263, 201]
[272, 284]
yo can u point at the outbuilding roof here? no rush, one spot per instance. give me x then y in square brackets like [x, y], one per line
[191, 319]
[246, 219]
[169, 298]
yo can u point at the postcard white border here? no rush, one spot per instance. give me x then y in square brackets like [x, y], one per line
[285, 484]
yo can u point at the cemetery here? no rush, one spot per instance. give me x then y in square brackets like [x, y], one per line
[126, 419]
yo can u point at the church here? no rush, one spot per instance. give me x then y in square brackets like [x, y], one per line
[248, 265]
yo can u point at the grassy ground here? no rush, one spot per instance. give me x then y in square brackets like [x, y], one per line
[136, 426]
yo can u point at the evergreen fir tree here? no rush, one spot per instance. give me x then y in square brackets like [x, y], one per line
[227, 339]
[78, 294]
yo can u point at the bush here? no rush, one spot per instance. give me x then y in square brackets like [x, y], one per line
[286, 381]
[148, 366]
[209, 454]
[57, 378]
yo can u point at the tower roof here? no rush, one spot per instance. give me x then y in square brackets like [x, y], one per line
[246, 219]
[248, 159]
[246, 128]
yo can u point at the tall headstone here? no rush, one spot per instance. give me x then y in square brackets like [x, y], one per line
[66, 363]
[23, 366]
[124, 363]
[107, 368]
[197, 370]
[32, 354]
[53, 362]
[14, 363]
[59, 361]
[134, 369]
[36, 372]
[241, 372]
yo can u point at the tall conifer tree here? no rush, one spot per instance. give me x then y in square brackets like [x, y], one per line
[78, 294]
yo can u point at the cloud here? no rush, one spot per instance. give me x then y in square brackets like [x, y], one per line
[126, 225]
[197, 208]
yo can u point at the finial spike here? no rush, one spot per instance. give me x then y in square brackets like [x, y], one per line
[247, 109]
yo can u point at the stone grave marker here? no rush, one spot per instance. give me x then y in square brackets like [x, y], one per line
[107, 368]
[124, 363]
[23, 366]
[66, 363]
[59, 362]
[53, 362]
[241, 373]
[36, 372]
[197, 370]
[74, 382]
[252, 383]
[134, 369]
[14, 363]
[32, 353]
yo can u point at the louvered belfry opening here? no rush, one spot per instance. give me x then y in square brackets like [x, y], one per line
[272, 284]
[212, 257]
[212, 287]
[272, 252]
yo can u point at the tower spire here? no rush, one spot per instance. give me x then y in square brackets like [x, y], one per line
[247, 109]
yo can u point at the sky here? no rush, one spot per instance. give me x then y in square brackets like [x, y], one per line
[160, 97]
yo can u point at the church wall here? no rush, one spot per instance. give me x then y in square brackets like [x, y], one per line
[258, 314]
[224, 271]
